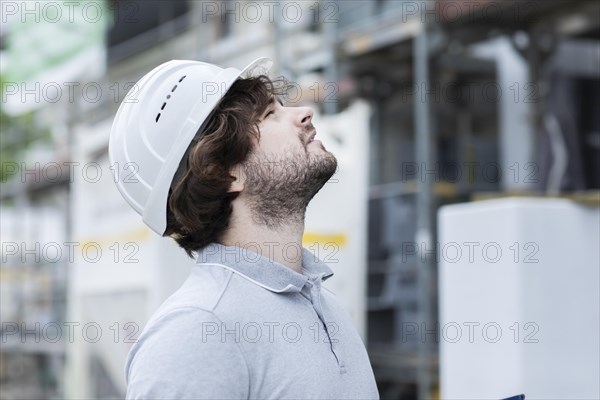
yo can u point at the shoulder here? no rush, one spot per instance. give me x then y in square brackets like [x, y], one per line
[179, 354]
[190, 308]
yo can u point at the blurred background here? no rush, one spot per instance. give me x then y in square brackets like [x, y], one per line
[463, 224]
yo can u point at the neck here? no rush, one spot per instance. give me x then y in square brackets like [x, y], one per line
[281, 243]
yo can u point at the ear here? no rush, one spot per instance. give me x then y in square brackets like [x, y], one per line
[238, 173]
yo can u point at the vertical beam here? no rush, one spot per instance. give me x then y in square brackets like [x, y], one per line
[279, 64]
[331, 70]
[376, 174]
[280, 60]
[538, 104]
[69, 387]
[424, 235]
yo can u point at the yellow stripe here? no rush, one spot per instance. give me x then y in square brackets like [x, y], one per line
[137, 236]
[323, 238]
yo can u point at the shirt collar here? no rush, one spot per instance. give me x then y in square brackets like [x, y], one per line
[262, 270]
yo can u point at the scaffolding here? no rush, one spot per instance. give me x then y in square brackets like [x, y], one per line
[388, 55]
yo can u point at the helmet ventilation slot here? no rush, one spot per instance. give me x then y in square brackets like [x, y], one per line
[168, 97]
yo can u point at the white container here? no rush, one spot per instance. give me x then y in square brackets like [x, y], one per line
[519, 299]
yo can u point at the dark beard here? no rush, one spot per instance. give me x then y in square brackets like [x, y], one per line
[279, 190]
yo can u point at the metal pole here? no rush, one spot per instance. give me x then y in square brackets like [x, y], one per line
[331, 71]
[280, 65]
[424, 236]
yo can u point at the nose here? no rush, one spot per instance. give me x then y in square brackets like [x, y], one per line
[304, 116]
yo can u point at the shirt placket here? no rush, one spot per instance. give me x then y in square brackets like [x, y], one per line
[315, 299]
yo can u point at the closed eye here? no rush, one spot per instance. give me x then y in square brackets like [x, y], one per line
[270, 111]
[273, 106]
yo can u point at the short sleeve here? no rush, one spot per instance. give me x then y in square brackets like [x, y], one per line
[183, 355]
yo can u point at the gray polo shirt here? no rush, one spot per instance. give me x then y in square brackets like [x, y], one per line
[245, 327]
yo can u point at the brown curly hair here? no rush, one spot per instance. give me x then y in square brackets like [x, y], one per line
[199, 203]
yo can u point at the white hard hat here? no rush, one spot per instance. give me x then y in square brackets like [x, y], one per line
[155, 124]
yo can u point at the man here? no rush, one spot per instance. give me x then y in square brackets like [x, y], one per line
[224, 168]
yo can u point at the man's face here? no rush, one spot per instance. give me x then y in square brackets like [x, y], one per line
[287, 168]
[285, 129]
